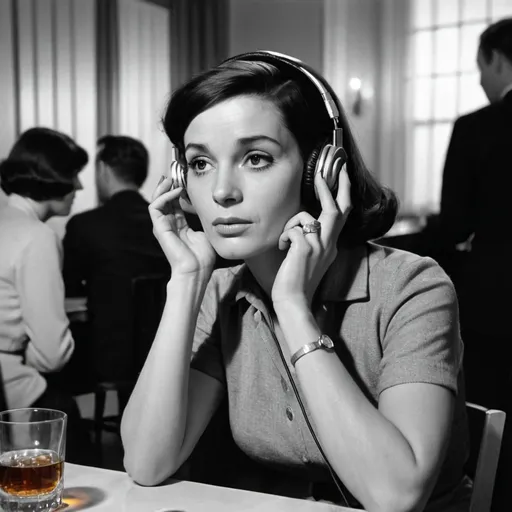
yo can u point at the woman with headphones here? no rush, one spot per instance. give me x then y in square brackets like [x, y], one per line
[340, 359]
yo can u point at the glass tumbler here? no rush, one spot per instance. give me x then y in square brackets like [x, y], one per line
[32, 454]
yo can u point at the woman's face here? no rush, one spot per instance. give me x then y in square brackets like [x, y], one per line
[62, 207]
[244, 175]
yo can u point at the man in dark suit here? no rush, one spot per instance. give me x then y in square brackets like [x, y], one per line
[476, 205]
[106, 247]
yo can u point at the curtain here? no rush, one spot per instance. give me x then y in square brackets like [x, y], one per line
[107, 44]
[199, 37]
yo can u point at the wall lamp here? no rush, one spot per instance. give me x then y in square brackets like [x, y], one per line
[356, 95]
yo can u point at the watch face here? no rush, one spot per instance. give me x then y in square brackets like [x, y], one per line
[327, 342]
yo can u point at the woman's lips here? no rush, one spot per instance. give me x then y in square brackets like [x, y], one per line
[231, 230]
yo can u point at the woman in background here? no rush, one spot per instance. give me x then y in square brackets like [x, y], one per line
[40, 178]
[317, 324]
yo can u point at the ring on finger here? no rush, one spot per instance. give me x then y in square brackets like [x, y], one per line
[311, 227]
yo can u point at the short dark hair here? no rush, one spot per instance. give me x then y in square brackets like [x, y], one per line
[42, 165]
[127, 157]
[305, 115]
[497, 36]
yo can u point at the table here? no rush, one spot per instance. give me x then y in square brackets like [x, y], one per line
[103, 490]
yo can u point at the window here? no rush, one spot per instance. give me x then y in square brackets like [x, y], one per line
[443, 83]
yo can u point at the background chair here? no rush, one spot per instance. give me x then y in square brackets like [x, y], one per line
[486, 433]
[148, 300]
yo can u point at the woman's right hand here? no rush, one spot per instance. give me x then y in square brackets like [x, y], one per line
[188, 251]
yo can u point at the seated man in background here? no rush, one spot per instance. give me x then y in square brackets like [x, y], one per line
[105, 248]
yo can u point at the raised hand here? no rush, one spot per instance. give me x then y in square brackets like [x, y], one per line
[187, 251]
[311, 244]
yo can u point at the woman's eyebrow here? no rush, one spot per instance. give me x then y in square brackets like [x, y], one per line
[199, 147]
[245, 141]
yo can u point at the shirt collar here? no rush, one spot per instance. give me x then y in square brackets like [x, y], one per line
[346, 280]
[23, 204]
[505, 91]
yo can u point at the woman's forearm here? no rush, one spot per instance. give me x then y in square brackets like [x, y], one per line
[382, 466]
[154, 420]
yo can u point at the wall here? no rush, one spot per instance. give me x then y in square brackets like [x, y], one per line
[289, 26]
[339, 38]
[145, 81]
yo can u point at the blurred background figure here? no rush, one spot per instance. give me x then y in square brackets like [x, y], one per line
[475, 208]
[40, 178]
[475, 199]
[104, 249]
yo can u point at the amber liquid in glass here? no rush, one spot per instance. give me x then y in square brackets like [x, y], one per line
[28, 473]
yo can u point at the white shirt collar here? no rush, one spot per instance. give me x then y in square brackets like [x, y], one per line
[505, 91]
[23, 204]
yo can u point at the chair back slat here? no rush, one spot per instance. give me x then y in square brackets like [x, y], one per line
[486, 433]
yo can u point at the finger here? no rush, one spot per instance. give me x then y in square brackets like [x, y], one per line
[343, 199]
[330, 213]
[163, 185]
[294, 239]
[299, 219]
[164, 208]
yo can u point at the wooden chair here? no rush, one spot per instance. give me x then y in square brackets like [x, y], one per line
[486, 433]
[148, 296]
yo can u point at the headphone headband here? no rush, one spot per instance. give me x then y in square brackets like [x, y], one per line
[272, 57]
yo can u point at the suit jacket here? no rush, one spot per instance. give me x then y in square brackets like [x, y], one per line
[477, 179]
[104, 249]
[477, 186]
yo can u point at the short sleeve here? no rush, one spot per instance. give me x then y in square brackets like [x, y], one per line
[421, 341]
[206, 349]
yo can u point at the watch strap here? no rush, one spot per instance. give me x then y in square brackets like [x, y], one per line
[322, 342]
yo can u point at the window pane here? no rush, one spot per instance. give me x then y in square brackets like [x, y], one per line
[445, 94]
[474, 10]
[418, 179]
[470, 37]
[422, 99]
[421, 13]
[501, 9]
[471, 95]
[447, 11]
[440, 140]
[447, 50]
[423, 52]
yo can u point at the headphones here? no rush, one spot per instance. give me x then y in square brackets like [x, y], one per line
[328, 158]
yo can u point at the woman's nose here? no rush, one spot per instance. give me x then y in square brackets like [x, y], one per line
[226, 189]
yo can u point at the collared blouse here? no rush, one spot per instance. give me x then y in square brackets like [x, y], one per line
[34, 328]
[393, 317]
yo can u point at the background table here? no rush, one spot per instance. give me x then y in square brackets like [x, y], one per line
[102, 490]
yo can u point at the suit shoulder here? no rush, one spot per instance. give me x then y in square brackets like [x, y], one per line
[482, 115]
[87, 217]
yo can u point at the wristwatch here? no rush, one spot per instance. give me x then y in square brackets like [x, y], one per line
[323, 342]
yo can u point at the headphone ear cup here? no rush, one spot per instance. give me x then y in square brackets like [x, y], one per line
[178, 177]
[330, 163]
[308, 177]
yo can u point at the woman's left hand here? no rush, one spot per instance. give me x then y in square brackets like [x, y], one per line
[310, 254]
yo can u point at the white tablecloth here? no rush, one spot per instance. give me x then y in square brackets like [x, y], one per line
[102, 490]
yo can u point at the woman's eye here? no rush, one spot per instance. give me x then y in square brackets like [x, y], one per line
[259, 161]
[198, 165]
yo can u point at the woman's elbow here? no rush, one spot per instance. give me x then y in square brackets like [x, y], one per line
[146, 472]
[398, 499]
